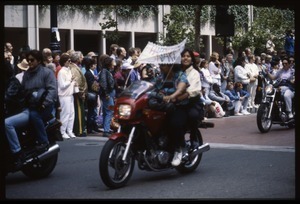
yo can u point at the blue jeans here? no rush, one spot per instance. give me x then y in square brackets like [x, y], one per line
[37, 119]
[107, 114]
[19, 120]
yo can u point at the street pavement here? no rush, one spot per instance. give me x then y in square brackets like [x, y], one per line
[242, 132]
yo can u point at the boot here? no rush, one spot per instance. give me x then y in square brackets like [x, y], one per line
[19, 159]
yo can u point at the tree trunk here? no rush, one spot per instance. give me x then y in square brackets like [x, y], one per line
[197, 27]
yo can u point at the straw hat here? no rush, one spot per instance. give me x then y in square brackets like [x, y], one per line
[137, 64]
[23, 65]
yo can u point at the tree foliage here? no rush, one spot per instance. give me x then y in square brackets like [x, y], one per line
[267, 21]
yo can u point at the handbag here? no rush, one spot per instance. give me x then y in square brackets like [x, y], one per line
[95, 86]
[92, 97]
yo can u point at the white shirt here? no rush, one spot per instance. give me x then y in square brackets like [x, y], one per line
[65, 85]
[207, 78]
[193, 77]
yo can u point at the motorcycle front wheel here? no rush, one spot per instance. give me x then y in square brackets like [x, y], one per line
[193, 162]
[264, 123]
[114, 172]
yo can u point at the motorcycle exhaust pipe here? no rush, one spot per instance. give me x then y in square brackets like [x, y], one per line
[54, 149]
[203, 148]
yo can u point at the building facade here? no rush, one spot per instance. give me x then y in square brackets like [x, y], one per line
[29, 25]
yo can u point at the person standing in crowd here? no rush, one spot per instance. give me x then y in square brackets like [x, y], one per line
[229, 64]
[241, 74]
[91, 78]
[207, 79]
[119, 77]
[113, 51]
[66, 85]
[224, 74]
[121, 54]
[289, 43]
[214, 68]
[134, 74]
[79, 128]
[107, 93]
[270, 46]
[13, 58]
[254, 72]
[132, 53]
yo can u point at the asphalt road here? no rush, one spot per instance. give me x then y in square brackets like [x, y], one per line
[241, 164]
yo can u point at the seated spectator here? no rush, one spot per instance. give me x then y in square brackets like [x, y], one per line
[209, 105]
[242, 95]
[234, 98]
[216, 95]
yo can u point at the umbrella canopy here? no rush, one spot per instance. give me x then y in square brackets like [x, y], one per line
[157, 54]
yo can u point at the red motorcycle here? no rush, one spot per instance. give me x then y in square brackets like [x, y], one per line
[142, 137]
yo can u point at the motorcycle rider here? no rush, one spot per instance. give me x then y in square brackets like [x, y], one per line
[286, 84]
[36, 79]
[173, 82]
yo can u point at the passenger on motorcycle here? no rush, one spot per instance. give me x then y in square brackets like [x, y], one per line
[286, 80]
[194, 108]
[172, 83]
[40, 92]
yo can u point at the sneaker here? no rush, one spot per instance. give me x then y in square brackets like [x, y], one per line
[238, 114]
[290, 115]
[71, 135]
[65, 136]
[177, 158]
[245, 112]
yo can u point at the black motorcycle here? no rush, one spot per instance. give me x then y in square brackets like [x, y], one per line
[272, 109]
[37, 163]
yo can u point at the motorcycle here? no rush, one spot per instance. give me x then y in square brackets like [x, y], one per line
[38, 163]
[272, 109]
[141, 138]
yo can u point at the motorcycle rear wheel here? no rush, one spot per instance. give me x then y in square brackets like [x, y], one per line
[194, 162]
[42, 169]
[113, 171]
[264, 123]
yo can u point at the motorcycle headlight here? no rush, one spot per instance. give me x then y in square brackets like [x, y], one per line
[269, 89]
[124, 110]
